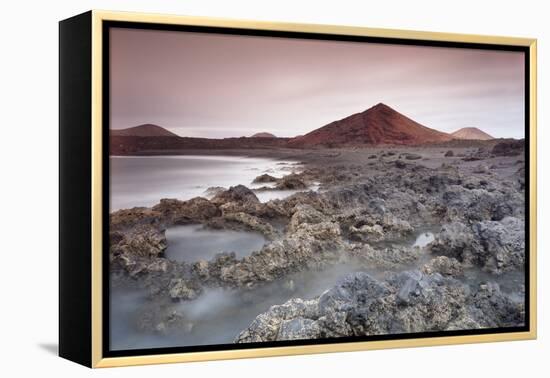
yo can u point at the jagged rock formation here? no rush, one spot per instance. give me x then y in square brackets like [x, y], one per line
[362, 216]
[361, 305]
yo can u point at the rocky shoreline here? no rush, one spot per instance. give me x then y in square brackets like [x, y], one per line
[369, 203]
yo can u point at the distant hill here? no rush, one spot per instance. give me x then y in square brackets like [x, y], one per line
[138, 145]
[471, 133]
[263, 135]
[377, 125]
[146, 130]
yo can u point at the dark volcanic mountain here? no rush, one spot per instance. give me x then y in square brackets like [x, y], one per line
[471, 133]
[263, 135]
[146, 130]
[377, 125]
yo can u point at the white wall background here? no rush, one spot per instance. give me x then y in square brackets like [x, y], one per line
[28, 132]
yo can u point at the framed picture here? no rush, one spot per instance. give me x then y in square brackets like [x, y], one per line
[235, 189]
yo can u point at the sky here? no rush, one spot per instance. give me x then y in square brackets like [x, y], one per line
[215, 86]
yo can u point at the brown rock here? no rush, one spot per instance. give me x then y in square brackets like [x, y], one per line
[181, 212]
[263, 179]
[290, 182]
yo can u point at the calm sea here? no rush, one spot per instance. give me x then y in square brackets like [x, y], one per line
[143, 181]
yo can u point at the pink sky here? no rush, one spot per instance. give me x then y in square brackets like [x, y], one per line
[215, 86]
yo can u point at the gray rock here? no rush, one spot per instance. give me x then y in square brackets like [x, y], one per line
[267, 326]
[340, 297]
[412, 156]
[490, 308]
[495, 246]
[454, 240]
[400, 164]
[298, 329]
[445, 266]
[361, 305]
[389, 258]
[509, 148]
[503, 244]
[181, 289]
[481, 168]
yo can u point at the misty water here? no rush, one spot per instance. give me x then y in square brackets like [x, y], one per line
[144, 180]
[218, 315]
[191, 243]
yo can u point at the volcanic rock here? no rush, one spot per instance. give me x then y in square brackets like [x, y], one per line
[291, 182]
[263, 179]
[183, 212]
[509, 148]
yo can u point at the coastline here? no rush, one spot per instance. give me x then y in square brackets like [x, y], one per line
[371, 199]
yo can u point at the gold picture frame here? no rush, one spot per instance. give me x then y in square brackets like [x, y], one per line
[91, 24]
